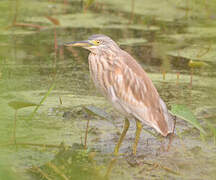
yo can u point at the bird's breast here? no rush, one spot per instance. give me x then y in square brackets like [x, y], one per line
[105, 74]
[99, 71]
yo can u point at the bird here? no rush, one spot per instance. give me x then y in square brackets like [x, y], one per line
[125, 84]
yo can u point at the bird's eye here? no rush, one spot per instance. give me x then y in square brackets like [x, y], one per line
[97, 41]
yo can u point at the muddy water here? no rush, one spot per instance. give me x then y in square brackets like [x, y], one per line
[161, 42]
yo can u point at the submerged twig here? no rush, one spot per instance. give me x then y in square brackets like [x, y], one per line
[191, 78]
[168, 169]
[206, 51]
[86, 134]
[56, 53]
[60, 100]
[178, 76]
[27, 25]
[16, 11]
[158, 165]
[35, 144]
[45, 175]
[132, 11]
[61, 53]
[110, 166]
[57, 171]
[65, 5]
[164, 74]
[14, 128]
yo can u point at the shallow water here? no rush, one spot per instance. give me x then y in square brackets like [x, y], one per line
[162, 37]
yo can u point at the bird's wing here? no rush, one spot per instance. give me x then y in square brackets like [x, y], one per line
[136, 93]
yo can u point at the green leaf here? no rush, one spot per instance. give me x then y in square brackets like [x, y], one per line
[184, 113]
[20, 104]
[43, 99]
[89, 3]
[213, 131]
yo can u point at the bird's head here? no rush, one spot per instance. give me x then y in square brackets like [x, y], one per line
[96, 43]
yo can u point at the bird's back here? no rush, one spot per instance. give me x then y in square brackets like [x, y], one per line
[131, 91]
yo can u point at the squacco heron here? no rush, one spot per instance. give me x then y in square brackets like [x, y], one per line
[126, 85]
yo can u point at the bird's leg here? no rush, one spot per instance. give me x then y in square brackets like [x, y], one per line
[139, 127]
[125, 128]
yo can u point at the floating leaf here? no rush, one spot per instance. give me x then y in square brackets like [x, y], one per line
[20, 104]
[184, 113]
[197, 64]
[97, 111]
